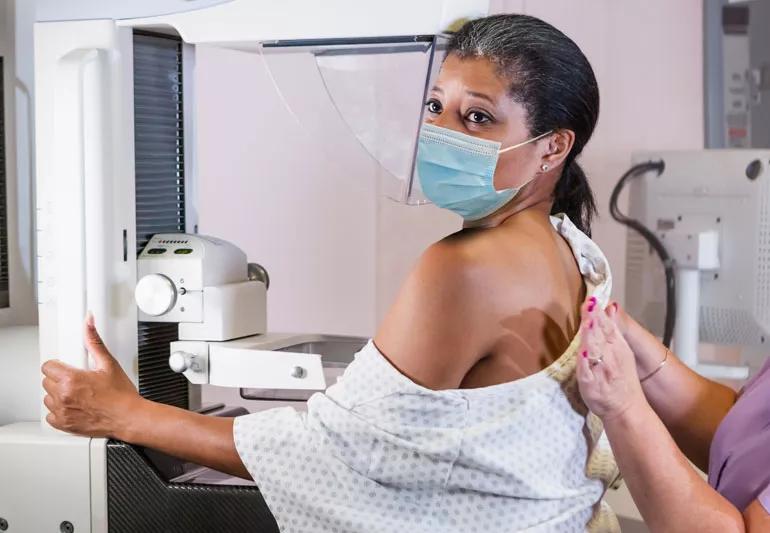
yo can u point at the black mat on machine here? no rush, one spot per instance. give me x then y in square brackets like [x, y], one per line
[141, 500]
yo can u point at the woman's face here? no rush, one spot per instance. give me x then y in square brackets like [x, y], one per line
[471, 97]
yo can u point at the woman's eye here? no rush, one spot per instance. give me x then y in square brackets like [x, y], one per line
[477, 117]
[433, 106]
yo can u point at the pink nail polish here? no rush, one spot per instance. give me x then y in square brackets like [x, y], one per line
[591, 304]
[585, 354]
[615, 306]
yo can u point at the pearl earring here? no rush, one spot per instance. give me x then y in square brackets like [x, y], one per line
[544, 167]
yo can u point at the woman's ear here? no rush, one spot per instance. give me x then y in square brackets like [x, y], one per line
[559, 146]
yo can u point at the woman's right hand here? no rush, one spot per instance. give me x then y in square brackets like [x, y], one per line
[97, 402]
[103, 402]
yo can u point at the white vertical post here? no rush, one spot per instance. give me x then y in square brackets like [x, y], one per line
[97, 181]
[699, 252]
[686, 332]
[85, 186]
[68, 224]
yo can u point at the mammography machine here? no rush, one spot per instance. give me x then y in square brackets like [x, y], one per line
[109, 160]
[180, 310]
[709, 212]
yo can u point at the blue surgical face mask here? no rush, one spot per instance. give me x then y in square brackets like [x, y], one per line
[457, 171]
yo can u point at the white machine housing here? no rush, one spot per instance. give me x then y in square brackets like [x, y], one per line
[257, 362]
[711, 210]
[201, 283]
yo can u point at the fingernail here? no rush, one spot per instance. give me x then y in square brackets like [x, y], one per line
[90, 318]
[585, 354]
[591, 304]
[615, 306]
[591, 325]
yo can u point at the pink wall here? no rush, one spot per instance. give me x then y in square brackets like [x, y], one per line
[300, 204]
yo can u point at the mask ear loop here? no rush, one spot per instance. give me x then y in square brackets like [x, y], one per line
[525, 142]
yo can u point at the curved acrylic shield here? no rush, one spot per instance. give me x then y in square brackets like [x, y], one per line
[376, 87]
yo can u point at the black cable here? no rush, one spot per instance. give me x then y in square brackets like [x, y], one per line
[652, 239]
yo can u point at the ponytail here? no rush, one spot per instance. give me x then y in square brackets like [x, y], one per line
[573, 196]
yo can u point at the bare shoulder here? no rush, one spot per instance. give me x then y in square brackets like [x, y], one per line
[453, 259]
[433, 332]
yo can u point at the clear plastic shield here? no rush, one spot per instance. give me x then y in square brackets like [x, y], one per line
[376, 87]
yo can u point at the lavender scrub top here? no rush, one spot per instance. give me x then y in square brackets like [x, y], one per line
[739, 462]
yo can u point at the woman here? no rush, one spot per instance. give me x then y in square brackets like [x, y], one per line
[417, 435]
[674, 415]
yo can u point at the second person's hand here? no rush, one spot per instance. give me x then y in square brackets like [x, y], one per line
[606, 369]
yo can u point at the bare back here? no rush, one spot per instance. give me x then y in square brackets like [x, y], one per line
[486, 306]
[534, 299]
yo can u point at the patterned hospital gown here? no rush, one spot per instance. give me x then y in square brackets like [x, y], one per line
[378, 453]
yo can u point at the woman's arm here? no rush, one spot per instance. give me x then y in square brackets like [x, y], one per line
[757, 517]
[200, 439]
[670, 495]
[691, 406]
[104, 403]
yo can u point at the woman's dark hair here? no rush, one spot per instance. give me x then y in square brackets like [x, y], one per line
[553, 80]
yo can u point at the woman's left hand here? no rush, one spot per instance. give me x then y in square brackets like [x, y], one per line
[606, 369]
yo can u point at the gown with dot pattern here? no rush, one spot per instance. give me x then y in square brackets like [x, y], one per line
[378, 453]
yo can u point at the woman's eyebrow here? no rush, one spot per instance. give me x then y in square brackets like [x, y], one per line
[481, 95]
